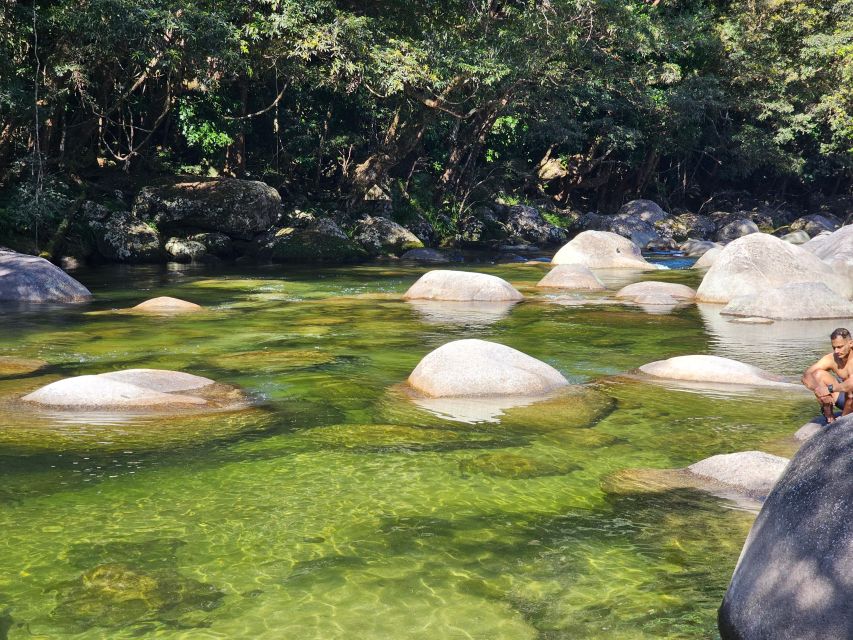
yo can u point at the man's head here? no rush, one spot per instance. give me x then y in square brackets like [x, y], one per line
[841, 342]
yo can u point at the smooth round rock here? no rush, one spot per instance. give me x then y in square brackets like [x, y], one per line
[650, 290]
[708, 258]
[25, 278]
[702, 368]
[794, 578]
[752, 471]
[693, 248]
[602, 250]
[757, 262]
[796, 237]
[815, 426]
[98, 392]
[161, 380]
[737, 229]
[798, 301]
[571, 276]
[480, 368]
[461, 285]
[167, 304]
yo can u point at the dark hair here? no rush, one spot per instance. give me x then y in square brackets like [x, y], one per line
[840, 332]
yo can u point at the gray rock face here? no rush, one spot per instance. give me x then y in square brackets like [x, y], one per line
[461, 286]
[737, 229]
[697, 248]
[25, 278]
[239, 208]
[794, 579]
[122, 237]
[797, 301]
[752, 471]
[796, 237]
[571, 276]
[757, 262]
[527, 224]
[815, 224]
[641, 232]
[480, 368]
[834, 248]
[602, 250]
[426, 255]
[380, 235]
[322, 241]
[690, 225]
[714, 369]
[645, 210]
[215, 243]
[183, 250]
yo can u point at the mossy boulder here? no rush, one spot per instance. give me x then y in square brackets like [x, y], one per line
[322, 241]
[239, 208]
[121, 236]
[380, 235]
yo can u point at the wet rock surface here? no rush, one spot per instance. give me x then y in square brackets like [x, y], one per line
[461, 286]
[25, 278]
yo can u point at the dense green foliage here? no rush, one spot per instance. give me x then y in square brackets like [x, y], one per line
[443, 103]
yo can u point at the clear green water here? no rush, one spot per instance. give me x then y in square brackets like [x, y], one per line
[337, 508]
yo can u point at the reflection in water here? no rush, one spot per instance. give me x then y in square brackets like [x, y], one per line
[473, 313]
[786, 346]
[472, 410]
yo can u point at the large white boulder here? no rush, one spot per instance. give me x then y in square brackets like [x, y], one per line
[836, 249]
[480, 368]
[602, 250]
[794, 578]
[757, 262]
[571, 276]
[446, 284]
[99, 392]
[714, 369]
[753, 471]
[25, 278]
[798, 301]
[137, 390]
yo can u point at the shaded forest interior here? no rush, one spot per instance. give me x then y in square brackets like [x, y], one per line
[441, 105]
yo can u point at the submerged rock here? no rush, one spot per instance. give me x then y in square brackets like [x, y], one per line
[752, 471]
[425, 255]
[167, 305]
[461, 286]
[702, 368]
[11, 367]
[754, 263]
[793, 578]
[25, 278]
[649, 292]
[571, 276]
[798, 301]
[602, 250]
[504, 464]
[479, 368]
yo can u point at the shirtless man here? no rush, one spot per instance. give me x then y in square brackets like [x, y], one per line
[831, 377]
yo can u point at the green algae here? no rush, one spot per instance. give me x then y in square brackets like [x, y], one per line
[339, 508]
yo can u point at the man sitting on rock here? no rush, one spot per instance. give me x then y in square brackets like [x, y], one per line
[830, 377]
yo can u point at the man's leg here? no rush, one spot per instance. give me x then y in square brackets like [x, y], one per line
[827, 408]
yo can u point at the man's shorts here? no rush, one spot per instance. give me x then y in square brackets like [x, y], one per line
[842, 397]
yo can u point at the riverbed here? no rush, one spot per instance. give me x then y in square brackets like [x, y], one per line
[336, 506]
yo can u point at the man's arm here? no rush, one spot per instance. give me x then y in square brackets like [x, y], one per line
[812, 378]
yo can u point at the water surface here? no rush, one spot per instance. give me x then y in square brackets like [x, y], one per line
[338, 508]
